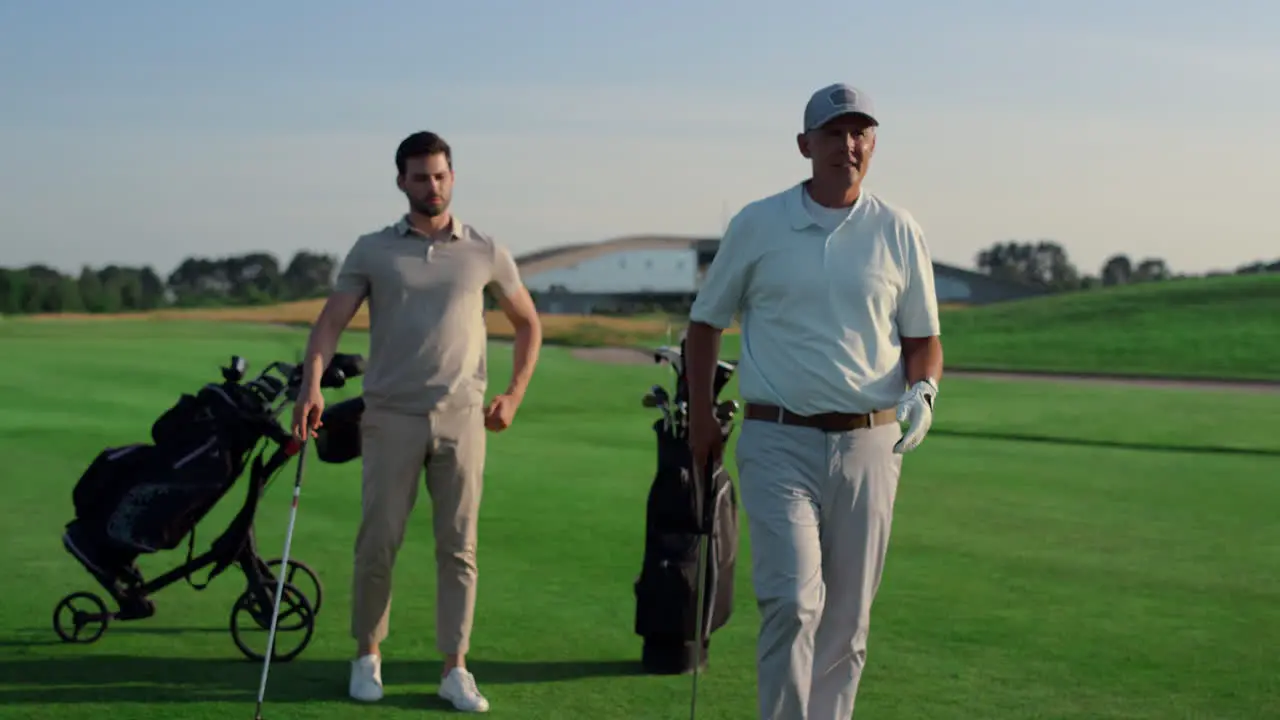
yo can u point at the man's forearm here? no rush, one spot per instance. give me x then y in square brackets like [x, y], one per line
[321, 345]
[701, 353]
[923, 358]
[525, 349]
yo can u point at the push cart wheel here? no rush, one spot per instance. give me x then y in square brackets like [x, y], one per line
[81, 617]
[291, 577]
[251, 623]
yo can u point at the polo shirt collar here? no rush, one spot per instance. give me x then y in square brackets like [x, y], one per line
[403, 228]
[799, 216]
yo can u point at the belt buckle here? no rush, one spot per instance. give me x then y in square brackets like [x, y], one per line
[782, 416]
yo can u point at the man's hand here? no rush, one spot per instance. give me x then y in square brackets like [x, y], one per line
[915, 408]
[701, 352]
[705, 441]
[500, 412]
[307, 410]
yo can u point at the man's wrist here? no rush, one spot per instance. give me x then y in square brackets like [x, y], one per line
[931, 392]
[311, 380]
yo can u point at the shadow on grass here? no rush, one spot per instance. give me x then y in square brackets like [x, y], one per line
[1116, 444]
[36, 637]
[105, 679]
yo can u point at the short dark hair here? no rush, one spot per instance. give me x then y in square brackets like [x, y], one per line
[419, 144]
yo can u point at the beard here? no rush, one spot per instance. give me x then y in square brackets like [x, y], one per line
[431, 207]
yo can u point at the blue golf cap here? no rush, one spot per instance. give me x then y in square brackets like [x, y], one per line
[835, 100]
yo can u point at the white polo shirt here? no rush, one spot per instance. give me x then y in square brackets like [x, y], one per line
[825, 296]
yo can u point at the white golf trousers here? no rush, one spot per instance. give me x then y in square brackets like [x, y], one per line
[819, 508]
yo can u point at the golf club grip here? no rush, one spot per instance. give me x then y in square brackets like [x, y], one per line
[705, 496]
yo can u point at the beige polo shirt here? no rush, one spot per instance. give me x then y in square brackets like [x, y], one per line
[824, 296]
[427, 336]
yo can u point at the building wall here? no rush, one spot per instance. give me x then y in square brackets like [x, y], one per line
[630, 271]
[624, 275]
[951, 289]
[955, 285]
[610, 303]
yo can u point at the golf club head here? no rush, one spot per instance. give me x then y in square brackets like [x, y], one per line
[724, 371]
[656, 397]
[727, 410]
[670, 355]
[234, 372]
[333, 378]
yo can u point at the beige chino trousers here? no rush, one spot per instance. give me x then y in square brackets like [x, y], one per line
[819, 508]
[450, 445]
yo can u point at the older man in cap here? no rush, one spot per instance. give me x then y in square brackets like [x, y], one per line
[840, 347]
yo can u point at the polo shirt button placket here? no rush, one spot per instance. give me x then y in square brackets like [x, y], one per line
[826, 245]
[826, 249]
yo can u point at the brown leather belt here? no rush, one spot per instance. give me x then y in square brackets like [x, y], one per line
[826, 422]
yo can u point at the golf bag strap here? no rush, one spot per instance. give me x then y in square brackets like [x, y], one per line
[217, 569]
[191, 552]
[227, 558]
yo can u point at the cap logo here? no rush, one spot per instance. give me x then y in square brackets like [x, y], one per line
[842, 96]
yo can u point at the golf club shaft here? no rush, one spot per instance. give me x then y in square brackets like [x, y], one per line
[704, 532]
[697, 623]
[284, 567]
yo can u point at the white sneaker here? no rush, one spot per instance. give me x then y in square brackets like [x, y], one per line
[366, 679]
[459, 688]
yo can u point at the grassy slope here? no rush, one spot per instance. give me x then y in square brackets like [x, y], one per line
[1225, 328]
[1216, 327]
[1063, 580]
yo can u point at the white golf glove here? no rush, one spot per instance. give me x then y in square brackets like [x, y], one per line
[915, 408]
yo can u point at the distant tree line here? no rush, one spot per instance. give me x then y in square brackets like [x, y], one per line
[258, 279]
[1044, 264]
[251, 279]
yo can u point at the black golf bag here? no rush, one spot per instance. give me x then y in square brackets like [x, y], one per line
[667, 588]
[147, 497]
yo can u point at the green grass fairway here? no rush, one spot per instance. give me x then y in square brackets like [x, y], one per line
[1222, 327]
[1058, 552]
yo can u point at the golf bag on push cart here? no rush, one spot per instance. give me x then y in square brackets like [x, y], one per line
[685, 509]
[144, 498]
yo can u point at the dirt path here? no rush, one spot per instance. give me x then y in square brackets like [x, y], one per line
[613, 355]
[632, 356]
[1169, 383]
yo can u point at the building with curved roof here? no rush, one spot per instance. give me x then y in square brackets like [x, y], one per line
[644, 272]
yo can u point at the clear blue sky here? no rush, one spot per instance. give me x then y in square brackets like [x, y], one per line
[145, 131]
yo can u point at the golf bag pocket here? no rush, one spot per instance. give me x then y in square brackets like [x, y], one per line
[176, 424]
[101, 485]
[193, 418]
[160, 497]
[666, 591]
[338, 439]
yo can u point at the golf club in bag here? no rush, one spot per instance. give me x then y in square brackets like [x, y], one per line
[684, 591]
